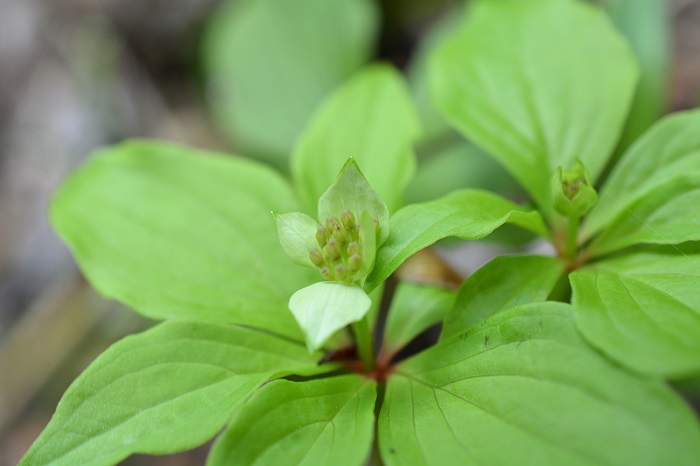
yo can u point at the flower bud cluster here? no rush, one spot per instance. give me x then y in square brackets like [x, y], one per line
[573, 194]
[570, 187]
[339, 255]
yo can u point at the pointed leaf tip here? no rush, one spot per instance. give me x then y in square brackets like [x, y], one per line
[353, 193]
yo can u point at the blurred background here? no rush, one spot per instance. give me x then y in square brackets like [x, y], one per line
[239, 76]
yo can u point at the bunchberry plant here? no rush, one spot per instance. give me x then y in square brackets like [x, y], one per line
[343, 249]
[271, 338]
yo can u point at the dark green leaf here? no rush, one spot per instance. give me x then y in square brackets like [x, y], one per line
[466, 214]
[537, 83]
[503, 283]
[270, 64]
[414, 308]
[370, 118]
[175, 232]
[166, 390]
[522, 388]
[328, 421]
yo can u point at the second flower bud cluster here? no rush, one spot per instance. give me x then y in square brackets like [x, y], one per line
[339, 256]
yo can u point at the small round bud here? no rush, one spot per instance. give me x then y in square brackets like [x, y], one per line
[572, 192]
[326, 274]
[322, 235]
[340, 234]
[354, 262]
[353, 248]
[332, 223]
[316, 257]
[340, 271]
[348, 219]
[332, 249]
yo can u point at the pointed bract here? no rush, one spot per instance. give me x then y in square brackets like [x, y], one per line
[352, 192]
[297, 235]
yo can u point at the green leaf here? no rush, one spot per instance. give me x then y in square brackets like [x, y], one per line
[414, 308]
[503, 283]
[370, 118]
[326, 421]
[658, 218]
[324, 308]
[522, 388]
[270, 64]
[646, 25]
[175, 232]
[417, 73]
[537, 84]
[459, 166]
[663, 164]
[466, 214]
[642, 309]
[297, 234]
[352, 192]
[166, 390]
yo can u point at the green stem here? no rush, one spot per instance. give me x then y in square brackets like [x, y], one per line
[364, 343]
[572, 237]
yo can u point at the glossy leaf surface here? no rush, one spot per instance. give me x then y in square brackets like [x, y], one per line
[175, 232]
[505, 282]
[466, 214]
[523, 388]
[664, 164]
[166, 390]
[643, 309]
[323, 421]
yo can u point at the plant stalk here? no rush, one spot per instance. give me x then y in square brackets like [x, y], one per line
[364, 343]
[572, 237]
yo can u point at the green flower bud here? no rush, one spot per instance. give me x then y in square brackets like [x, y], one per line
[348, 220]
[322, 235]
[332, 249]
[326, 274]
[572, 192]
[340, 271]
[354, 262]
[316, 257]
[340, 234]
[332, 223]
[353, 248]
